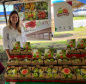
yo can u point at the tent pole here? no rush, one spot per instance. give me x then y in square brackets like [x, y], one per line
[5, 12]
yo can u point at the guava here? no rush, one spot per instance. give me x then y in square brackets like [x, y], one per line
[77, 70]
[65, 60]
[52, 60]
[70, 76]
[49, 70]
[40, 75]
[55, 75]
[14, 71]
[54, 71]
[13, 75]
[50, 75]
[39, 60]
[84, 76]
[35, 74]
[83, 71]
[34, 61]
[9, 71]
[65, 76]
[79, 75]
[40, 70]
[47, 60]
[35, 70]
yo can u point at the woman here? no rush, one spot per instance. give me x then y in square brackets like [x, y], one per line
[13, 32]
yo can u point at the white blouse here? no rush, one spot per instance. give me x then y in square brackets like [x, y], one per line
[12, 35]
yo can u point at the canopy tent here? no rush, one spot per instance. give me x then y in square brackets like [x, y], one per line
[83, 1]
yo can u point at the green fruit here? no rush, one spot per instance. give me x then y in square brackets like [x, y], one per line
[84, 76]
[39, 60]
[9, 71]
[79, 75]
[35, 74]
[34, 61]
[49, 70]
[60, 11]
[54, 71]
[77, 70]
[40, 75]
[55, 75]
[47, 60]
[65, 76]
[50, 75]
[40, 71]
[14, 71]
[35, 70]
[70, 76]
[52, 60]
[65, 60]
[13, 75]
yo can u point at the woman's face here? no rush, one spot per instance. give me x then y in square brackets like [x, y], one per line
[14, 18]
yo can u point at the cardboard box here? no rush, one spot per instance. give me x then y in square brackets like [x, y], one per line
[61, 54]
[11, 73]
[66, 73]
[64, 61]
[13, 61]
[73, 53]
[78, 61]
[38, 73]
[52, 73]
[37, 62]
[25, 61]
[81, 44]
[80, 72]
[24, 73]
[14, 54]
[26, 54]
[51, 61]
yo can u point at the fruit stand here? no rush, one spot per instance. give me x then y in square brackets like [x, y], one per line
[48, 65]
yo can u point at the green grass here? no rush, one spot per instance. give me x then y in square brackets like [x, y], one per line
[79, 18]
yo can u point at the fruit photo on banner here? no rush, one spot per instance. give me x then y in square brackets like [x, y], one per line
[30, 25]
[42, 5]
[30, 16]
[30, 6]
[42, 15]
[19, 7]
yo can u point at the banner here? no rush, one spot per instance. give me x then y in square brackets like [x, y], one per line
[63, 16]
[36, 16]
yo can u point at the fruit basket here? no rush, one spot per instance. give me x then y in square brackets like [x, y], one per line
[11, 74]
[52, 73]
[66, 73]
[38, 73]
[64, 61]
[80, 72]
[24, 73]
[37, 62]
[51, 61]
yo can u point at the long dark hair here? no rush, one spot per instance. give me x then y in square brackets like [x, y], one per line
[17, 24]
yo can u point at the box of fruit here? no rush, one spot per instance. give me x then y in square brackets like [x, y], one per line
[50, 61]
[67, 73]
[83, 52]
[25, 61]
[15, 52]
[13, 61]
[24, 73]
[78, 61]
[37, 62]
[64, 61]
[73, 53]
[61, 54]
[37, 53]
[81, 44]
[38, 73]
[71, 44]
[80, 72]
[11, 74]
[52, 73]
[49, 53]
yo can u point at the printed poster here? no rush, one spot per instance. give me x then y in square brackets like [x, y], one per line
[36, 17]
[63, 16]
